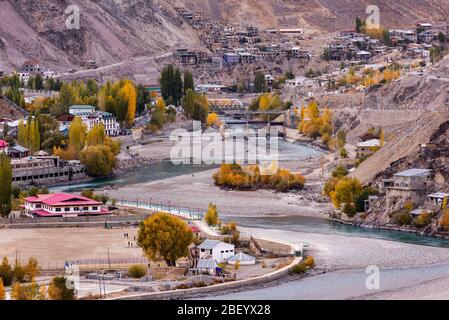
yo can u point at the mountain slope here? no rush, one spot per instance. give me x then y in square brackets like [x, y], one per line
[329, 15]
[110, 31]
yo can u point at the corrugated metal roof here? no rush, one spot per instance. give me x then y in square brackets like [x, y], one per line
[242, 257]
[414, 173]
[207, 264]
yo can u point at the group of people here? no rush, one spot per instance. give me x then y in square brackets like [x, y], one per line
[130, 243]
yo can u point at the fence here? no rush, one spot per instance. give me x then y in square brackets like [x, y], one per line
[80, 219]
[186, 213]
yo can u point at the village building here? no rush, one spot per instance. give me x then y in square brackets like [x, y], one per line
[427, 36]
[363, 55]
[62, 205]
[413, 179]
[45, 171]
[91, 117]
[231, 58]
[437, 198]
[367, 148]
[243, 259]
[24, 77]
[17, 152]
[424, 26]
[216, 250]
[32, 66]
[207, 266]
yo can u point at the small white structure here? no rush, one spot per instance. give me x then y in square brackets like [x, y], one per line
[81, 109]
[367, 148]
[243, 259]
[208, 266]
[216, 250]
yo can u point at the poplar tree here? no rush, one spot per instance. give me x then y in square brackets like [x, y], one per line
[5, 185]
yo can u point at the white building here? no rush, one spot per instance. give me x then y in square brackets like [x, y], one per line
[207, 266]
[243, 259]
[91, 118]
[24, 77]
[77, 109]
[216, 250]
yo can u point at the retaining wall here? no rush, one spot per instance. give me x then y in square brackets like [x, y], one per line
[188, 293]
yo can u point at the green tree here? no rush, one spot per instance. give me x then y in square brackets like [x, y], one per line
[441, 37]
[259, 82]
[5, 185]
[66, 96]
[188, 81]
[358, 25]
[163, 236]
[143, 98]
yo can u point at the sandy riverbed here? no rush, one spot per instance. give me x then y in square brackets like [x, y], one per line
[198, 191]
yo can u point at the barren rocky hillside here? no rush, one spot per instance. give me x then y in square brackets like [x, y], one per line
[113, 31]
[329, 15]
[110, 31]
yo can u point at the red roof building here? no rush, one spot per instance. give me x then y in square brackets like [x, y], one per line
[3, 144]
[62, 205]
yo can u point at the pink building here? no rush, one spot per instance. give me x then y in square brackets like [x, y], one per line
[62, 205]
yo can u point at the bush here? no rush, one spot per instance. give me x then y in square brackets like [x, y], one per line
[300, 268]
[403, 217]
[343, 153]
[340, 172]
[88, 193]
[422, 221]
[310, 262]
[304, 265]
[137, 271]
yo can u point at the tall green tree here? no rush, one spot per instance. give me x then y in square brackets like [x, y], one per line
[5, 185]
[188, 81]
[259, 82]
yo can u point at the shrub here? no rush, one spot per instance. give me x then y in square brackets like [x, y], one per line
[137, 271]
[403, 217]
[310, 262]
[340, 172]
[6, 272]
[423, 220]
[343, 153]
[300, 268]
[19, 272]
[237, 265]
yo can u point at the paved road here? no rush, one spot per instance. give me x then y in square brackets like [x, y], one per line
[103, 68]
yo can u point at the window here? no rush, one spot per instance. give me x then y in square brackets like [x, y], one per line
[38, 206]
[94, 208]
[66, 209]
[86, 209]
[58, 209]
[76, 209]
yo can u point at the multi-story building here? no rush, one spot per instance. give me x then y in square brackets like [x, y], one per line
[91, 117]
[45, 170]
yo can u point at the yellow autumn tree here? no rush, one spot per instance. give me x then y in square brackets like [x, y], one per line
[2, 290]
[129, 92]
[213, 120]
[77, 134]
